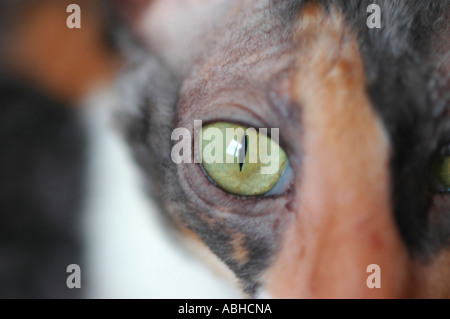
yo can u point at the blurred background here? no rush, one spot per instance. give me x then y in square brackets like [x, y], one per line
[69, 191]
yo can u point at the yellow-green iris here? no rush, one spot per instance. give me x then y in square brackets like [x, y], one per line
[240, 160]
[441, 170]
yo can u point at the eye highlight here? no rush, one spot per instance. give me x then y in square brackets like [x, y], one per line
[243, 161]
[440, 171]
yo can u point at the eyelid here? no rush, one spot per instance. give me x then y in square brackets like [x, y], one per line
[284, 183]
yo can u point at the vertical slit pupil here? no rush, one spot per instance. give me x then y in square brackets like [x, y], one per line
[243, 150]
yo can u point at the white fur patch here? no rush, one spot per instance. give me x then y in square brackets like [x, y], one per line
[130, 254]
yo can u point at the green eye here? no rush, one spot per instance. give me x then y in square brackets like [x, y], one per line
[441, 172]
[240, 160]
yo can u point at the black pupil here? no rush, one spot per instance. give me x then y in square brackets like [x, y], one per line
[243, 152]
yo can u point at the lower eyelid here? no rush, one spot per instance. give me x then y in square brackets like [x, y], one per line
[284, 183]
[207, 176]
[205, 197]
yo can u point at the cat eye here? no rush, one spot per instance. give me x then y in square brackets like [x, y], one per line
[440, 171]
[243, 161]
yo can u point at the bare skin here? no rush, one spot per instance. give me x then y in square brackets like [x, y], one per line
[237, 62]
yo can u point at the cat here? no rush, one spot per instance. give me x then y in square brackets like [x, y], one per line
[363, 119]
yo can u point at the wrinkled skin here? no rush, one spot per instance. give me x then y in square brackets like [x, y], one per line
[361, 113]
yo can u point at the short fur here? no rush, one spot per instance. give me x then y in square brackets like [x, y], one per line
[407, 81]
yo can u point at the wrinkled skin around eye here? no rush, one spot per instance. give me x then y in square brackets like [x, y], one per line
[234, 162]
[361, 195]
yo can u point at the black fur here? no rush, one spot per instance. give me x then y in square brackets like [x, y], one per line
[407, 87]
[401, 65]
[41, 177]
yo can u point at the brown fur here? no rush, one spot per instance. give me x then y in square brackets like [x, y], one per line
[65, 63]
[240, 254]
[344, 221]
